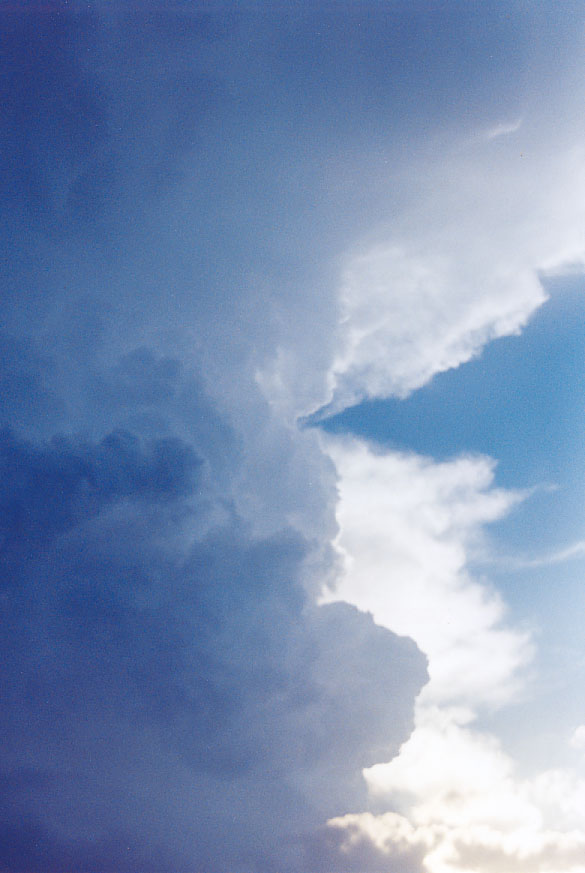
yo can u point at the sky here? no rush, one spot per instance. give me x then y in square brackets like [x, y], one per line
[291, 436]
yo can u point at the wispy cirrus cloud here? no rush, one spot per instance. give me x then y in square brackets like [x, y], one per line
[503, 129]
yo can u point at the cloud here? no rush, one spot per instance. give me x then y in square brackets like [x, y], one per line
[578, 738]
[50, 488]
[413, 312]
[406, 526]
[468, 848]
[455, 800]
[153, 669]
[184, 192]
[67, 157]
[503, 129]
[560, 556]
[464, 807]
[173, 697]
[461, 265]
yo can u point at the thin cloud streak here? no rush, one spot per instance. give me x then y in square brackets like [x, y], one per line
[503, 129]
[513, 562]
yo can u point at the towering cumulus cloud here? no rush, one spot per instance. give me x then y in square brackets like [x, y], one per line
[173, 696]
[231, 643]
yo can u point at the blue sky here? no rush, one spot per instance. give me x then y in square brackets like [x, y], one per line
[232, 642]
[518, 401]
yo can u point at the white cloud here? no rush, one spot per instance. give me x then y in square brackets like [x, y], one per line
[406, 524]
[455, 775]
[460, 266]
[412, 312]
[575, 551]
[503, 129]
[470, 848]
[461, 803]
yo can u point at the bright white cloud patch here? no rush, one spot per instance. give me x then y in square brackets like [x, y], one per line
[413, 312]
[460, 267]
[469, 848]
[466, 810]
[406, 524]
[407, 528]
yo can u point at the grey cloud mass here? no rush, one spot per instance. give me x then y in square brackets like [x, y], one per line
[173, 697]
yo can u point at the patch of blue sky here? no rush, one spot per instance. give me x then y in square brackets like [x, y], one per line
[518, 402]
[550, 601]
[522, 402]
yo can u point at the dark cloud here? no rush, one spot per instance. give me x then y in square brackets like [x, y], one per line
[145, 691]
[95, 102]
[46, 489]
[324, 852]
[53, 114]
[164, 670]
[141, 378]
[173, 698]
[24, 399]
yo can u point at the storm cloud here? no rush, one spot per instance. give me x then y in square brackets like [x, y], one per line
[173, 696]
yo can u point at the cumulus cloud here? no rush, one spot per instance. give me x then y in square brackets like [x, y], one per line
[460, 269]
[468, 809]
[467, 848]
[456, 801]
[200, 249]
[179, 665]
[411, 314]
[460, 803]
[407, 524]
[173, 696]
